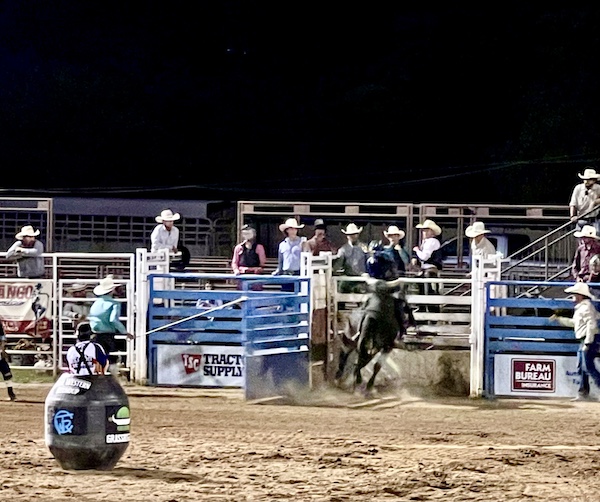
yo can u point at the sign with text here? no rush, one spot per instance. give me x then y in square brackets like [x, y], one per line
[200, 365]
[535, 375]
[19, 303]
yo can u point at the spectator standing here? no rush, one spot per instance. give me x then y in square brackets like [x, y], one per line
[165, 235]
[319, 241]
[351, 258]
[584, 198]
[249, 256]
[86, 357]
[4, 367]
[104, 318]
[480, 244]
[585, 324]
[290, 248]
[587, 248]
[28, 251]
[428, 256]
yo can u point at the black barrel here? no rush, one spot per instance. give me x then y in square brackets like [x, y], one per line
[87, 421]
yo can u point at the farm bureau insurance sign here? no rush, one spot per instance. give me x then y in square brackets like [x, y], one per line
[200, 365]
[535, 375]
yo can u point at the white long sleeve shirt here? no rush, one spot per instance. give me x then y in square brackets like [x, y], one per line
[584, 321]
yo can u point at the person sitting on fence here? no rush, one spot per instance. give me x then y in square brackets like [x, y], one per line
[104, 318]
[4, 367]
[585, 323]
[28, 251]
[86, 357]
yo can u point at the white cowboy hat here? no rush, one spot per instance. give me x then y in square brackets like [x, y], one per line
[432, 225]
[106, 285]
[581, 288]
[27, 231]
[352, 229]
[167, 215]
[290, 223]
[589, 174]
[587, 231]
[76, 286]
[394, 230]
[477, 228]
[319, 223]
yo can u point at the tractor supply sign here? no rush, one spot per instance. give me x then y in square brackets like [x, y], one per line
[200, 365]
[536, 375]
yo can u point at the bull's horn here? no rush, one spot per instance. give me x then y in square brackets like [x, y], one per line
[394, 283]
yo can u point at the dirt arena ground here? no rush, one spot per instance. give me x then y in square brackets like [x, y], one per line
[190, 445]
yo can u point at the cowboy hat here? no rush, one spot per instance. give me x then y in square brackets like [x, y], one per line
[167, 215]
[290, 223]
[76, 286]
[477, 228]
[432, 225]
[587, 231]
[106, 285]
[319, 223]
[581, 288]
[394, 230]
[27, 231]
[589, 174]
[352, 229]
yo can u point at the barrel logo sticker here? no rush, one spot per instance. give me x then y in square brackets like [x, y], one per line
[69, 421]
[118, 422]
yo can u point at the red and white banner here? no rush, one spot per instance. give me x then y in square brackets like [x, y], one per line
[200, 365]
[16, 308]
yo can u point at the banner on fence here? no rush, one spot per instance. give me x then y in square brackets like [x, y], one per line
[200, 365]
[26, 308]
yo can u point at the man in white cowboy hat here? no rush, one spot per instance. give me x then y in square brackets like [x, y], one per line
[428, 256]
[351, 258]
[585, 324]
[584, 198]
[28, 251]
[388, 261]
[290, 248]
[480, 244]
[165, 235]
[77, 309]
[104, 318]
[587, 248]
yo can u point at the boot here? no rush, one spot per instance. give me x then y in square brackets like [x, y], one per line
[11, 394]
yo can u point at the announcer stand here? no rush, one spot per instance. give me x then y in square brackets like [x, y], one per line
[258, 340]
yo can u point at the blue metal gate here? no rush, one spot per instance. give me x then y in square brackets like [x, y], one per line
[255, 335]
[525, 353]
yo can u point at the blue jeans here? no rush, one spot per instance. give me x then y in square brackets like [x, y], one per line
[586, 366]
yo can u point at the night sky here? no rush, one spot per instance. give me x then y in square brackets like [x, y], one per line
[300, 101]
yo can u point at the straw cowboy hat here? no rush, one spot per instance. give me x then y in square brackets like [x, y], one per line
[76, 286]
[432, 225]
[394, 230]
[290, 223]
[587, 231]
[589, 174]
[167, 215]
[477, 228]
[352, 229]
[106, 285]
[27, 231]
[581, 288]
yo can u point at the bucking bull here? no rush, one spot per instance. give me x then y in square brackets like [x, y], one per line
[376, 329]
